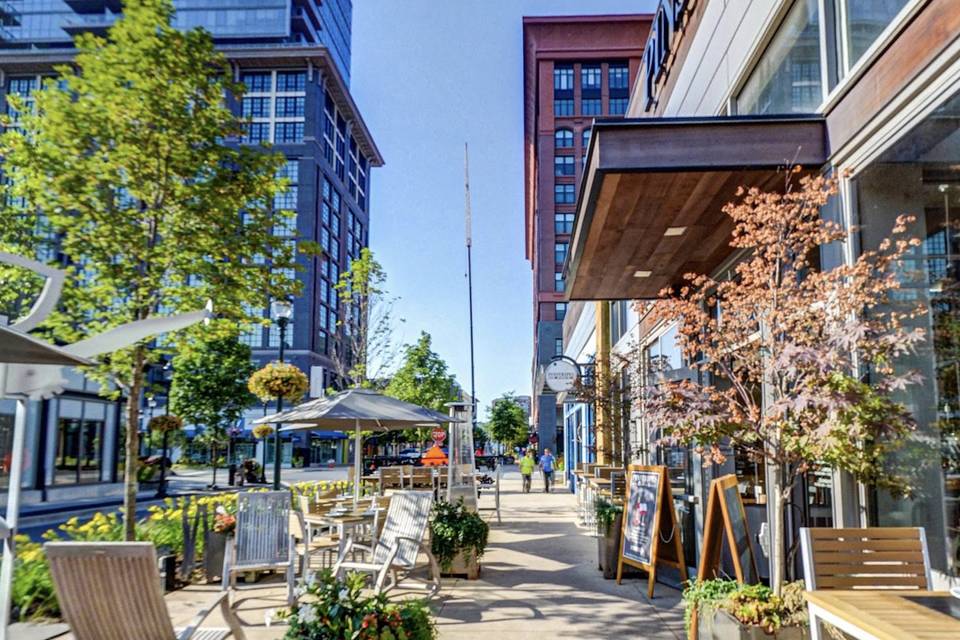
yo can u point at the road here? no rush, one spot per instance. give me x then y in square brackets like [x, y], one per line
[185, 482]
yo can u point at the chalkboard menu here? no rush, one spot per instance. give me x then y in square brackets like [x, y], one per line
[726, 515]
[650, 521]
[640, 515]
[738, 535]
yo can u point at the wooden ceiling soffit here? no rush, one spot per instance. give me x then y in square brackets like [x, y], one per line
[651, 199]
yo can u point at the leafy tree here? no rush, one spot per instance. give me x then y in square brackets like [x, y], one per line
[422, 379]
[800, 361]
[209, 387]
[507, 421]
[124, 157]
[366, 349]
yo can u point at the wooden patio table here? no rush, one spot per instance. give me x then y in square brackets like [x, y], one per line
[888, 615]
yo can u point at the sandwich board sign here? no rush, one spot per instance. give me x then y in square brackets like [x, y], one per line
[725, 513]
[651, 533]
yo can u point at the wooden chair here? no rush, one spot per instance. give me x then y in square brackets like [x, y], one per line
[400, 543]
[421, 478]
[862, 559]
[307, 545]
[617, 489]
[263, 541]
[391, 478]
[111, 591]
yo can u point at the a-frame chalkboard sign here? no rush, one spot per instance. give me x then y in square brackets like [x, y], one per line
[725, 511]
[651, 531]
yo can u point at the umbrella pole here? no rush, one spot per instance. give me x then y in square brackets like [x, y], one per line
[357, 464]
[13, 511]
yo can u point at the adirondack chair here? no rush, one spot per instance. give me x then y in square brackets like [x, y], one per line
[111, 591]
[262, 541]
[396, 550]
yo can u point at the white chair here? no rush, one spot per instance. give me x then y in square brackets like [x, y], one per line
[862, 559]
[111, 591]
[263, 540]
[398, 547]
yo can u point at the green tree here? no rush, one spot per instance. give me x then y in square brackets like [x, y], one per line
[125, 157]
[366, 349]
[507, 423]
[422, 379]
[209, 387]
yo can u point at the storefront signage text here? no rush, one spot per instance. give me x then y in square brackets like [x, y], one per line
[668, 22]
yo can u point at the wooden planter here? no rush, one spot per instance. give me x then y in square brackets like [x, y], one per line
[214, 547]
[608, 549]
[461, 568]
[722, 626]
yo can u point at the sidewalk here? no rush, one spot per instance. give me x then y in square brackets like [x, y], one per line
[540, 579]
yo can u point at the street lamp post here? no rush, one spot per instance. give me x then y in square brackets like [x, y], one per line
[282, 310]
[263, 455]
[168, 381]
[151, 405]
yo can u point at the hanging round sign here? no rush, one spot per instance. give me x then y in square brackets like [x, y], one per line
[439, 434]
[561, 374]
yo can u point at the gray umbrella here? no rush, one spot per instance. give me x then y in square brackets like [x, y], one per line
[21, 348]
[362, 409]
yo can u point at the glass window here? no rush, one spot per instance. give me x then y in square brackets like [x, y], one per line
[563, 165]
[619, 76]
[563, 223]
[255, 132]
[590, 77]
[79, 445]
[564, 194]
[257, 82]
[618, 106]
[558, 285]
[591, 107]
[560, 252]
[256, 107]
[563, 77]
[289, 132]
[866, 20]
[291, 81]
[559, 310]
[558, 346]
[563, 139]
[920, 176]
[563, 107]
[290, 107]
[787, 77]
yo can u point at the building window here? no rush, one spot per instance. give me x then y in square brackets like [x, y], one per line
[558, 346]
[563, 139]
[564, 194]
[560, 252]
[559, 310]
[273, 106]
[618, 75]
[563, 166]
[275, 336]
[558, 285]
[590, 77]
[563, 223]
[865, 21]
[563, 107]
[618, 106]
[585, 138]
[787, 77]
[79, 441]
[591, 107]
[286, 201]
[562, 77]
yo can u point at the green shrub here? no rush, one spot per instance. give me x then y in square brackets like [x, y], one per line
[33, 595]
[751, 604]
[455, 529]
[606, 512]
[331, 609]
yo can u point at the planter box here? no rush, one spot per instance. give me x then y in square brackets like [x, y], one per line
[722, 626]
[214, 547]
[461, 568]
[608, 549]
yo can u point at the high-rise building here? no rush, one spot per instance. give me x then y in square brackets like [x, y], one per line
[293, 56]
[575, 69]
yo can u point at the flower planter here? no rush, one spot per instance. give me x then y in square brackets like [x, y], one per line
[462, 568]
[608, 549]
[214, 547]
[720, 625]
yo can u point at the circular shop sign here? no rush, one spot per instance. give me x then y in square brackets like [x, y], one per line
[561, 375]
[439, 434]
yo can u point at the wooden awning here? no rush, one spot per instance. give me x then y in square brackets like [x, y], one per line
[653, 188]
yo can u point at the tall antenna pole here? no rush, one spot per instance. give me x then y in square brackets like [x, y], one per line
[469, 240]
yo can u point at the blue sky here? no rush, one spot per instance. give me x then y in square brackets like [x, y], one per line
[429, 75]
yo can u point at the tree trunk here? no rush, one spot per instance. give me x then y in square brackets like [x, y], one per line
[132, 448]
[778, 560]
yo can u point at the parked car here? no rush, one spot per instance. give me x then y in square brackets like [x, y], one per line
[411, 454]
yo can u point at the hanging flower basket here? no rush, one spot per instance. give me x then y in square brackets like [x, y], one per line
[279, 379]
[262, 431]
[163, 424]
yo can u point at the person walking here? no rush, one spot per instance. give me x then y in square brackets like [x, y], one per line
[527, 465]
[547, 462]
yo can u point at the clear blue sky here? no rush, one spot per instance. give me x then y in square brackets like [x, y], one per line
[429, 75]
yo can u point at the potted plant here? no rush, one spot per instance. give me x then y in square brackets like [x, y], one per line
[727, 610]
[798, 369]
[609, 519]
[215, 544]
[458, 538]
[331, 609]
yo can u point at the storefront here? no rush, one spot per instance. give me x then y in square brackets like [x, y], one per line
[868, 91]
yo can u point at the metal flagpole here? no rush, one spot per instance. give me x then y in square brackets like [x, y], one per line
[469, 239]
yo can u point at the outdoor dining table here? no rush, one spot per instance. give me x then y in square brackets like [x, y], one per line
[347, 520]
[888, 615]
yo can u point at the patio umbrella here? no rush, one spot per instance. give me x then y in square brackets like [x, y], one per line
[362, 409]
